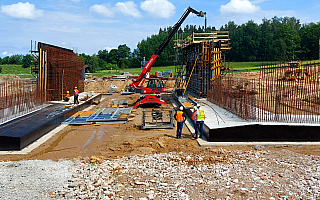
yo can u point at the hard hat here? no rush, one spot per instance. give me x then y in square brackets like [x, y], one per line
[181, 107]
[198, 105]
[67, 91]
[75, 87]
[195, 107]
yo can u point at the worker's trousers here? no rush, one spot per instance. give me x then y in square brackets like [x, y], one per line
[195, 128]
[199, 129]
[179, 129]
[76, 101]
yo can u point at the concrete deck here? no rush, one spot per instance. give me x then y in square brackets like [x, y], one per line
[222, 127]
[21, 132]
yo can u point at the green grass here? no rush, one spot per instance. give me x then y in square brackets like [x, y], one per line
[254, 66]
[14, 69]
[243, 65]
[235, 66]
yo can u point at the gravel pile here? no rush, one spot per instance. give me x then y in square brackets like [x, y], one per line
[214, 174]
[217, 174]
[33, 179]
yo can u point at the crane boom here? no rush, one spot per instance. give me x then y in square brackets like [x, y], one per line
[163, 45]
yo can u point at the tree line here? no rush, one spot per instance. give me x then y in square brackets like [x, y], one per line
[123, 57]
[275, 39]
[24, 60]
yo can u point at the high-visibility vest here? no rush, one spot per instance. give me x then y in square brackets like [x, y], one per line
[68, 95]
[194, 115]
[179, 116]
[76, 91]
[200, 115]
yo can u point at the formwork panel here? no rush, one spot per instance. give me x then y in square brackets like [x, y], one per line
[58, 70]
[203, 58]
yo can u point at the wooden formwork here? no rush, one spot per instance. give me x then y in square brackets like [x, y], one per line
[203, 61]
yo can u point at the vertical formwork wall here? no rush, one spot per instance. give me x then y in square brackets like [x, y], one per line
[202, 61]
[59, 70]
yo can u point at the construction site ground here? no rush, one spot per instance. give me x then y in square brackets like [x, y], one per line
[109, 141]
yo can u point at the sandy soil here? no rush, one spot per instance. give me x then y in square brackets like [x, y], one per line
[109, 141]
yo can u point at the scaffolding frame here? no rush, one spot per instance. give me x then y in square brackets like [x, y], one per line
[202, 56]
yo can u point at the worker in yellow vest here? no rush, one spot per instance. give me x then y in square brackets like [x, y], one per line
[200, 120]
[194, 120]
[180, 117]
[76, 95]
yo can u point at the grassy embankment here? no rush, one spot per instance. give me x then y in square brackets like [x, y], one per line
[237, 66]
[16, 70]
[234, 66]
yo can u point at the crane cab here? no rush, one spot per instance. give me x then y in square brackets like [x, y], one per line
[156, 84]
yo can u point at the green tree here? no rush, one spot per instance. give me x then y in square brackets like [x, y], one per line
[123, 51]
[113, 56]
[86, 58]
[103, 54]
[5, 60]
[123, 63]
[27, 60]
[310, 36]
[95, 64]
[266, 40]
[15, 59]
[286, 43]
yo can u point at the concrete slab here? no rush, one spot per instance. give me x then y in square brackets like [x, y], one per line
[217, 117]
[224, 128]
[36, 143]
[21, 132]
[205, 143]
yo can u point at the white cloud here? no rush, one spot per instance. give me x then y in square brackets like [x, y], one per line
[4, 53]
[21, 10]
[109, 48]
[102, 10]
[240, 7]
[128, 8]
[158, 8]
[76, 1]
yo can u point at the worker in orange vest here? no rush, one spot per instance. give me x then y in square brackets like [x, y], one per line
[76, 95]
[180, 117]
[194, 120]
[67, 97]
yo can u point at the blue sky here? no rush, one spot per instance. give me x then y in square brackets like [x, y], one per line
[91, 25]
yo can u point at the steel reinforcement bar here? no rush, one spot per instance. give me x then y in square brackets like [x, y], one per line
[269, 96]
[18, 97]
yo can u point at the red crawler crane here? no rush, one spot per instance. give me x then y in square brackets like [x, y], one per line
[155, 86]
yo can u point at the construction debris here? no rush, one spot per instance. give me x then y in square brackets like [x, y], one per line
[112, 89]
